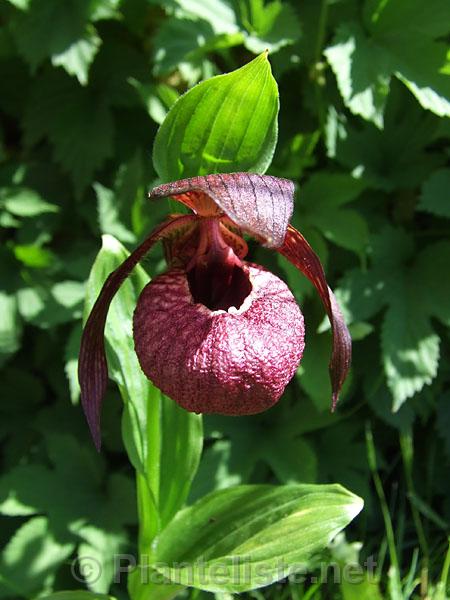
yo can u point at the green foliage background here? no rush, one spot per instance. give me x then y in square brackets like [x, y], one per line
[364, 133]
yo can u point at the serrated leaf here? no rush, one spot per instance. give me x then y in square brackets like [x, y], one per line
[252, 535]
[78, 57]
[34, 256]
[183, 44]
[10, 325]
[435, 197]
[227, 123]
[391, 17]
[21, 490]
[346, 228]
[362, 72]
[219, 14]
[70, 42]
[365, 59]
[101, 549]
[25, 202]
[47, 307]
[20, 4]
[413, 294]
[32, 555]
[383, 158]
[270, 26]
[410, 348]
[108, 214]
[346, 463]
[77, 121]
[293, 460]
[158, 99]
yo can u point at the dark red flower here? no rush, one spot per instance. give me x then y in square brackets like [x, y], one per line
[215, 333]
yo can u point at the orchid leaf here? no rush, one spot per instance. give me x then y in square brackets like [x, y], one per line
[249, 536]
[227, 123]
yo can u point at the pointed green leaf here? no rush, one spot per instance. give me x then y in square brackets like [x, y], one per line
[249, 536]
[227, 123]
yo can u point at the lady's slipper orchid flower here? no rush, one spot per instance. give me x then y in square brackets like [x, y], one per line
[215, 333]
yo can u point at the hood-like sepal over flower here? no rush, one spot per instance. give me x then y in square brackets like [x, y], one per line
[215, 333]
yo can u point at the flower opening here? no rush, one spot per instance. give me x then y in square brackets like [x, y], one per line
[215, 333]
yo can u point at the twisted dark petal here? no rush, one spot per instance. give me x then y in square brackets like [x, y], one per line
[297, 250]
[92, 366]
[259, 204]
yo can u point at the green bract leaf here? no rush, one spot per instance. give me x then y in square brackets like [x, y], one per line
[227, 123]
[250, 536]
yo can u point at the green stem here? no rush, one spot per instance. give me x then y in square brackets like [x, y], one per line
[371, 457]
[140, 585]
[148, 483]
[445, 570]
[406, 445]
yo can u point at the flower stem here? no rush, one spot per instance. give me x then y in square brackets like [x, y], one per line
[406, 446]
[394, 575]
